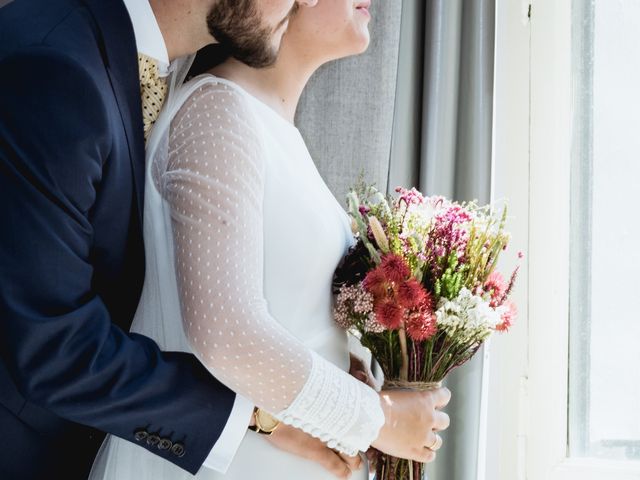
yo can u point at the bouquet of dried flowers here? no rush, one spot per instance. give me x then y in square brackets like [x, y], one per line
[420, 289]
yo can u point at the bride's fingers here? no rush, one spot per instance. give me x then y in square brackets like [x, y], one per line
[361, 375]
[441, 421]
[296, 442]
[442, 396]
[331, 461]
[354, 463]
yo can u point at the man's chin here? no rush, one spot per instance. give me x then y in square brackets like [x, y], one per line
[257, 62]
[263, 59]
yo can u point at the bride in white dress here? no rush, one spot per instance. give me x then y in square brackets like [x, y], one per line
[242, 237]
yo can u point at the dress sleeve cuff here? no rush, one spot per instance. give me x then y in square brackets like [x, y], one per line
[225, 448]
[336, 408]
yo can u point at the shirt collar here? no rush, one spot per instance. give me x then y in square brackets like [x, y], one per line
[149, 38]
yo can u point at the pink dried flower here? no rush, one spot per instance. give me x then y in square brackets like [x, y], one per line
[384, 280]
[411, 293]
[372, 325]
[508, 317]
[421, 322]
[421, 325]
[389, 314]
[341, 316]
[438, 202]
[395, 268]
[363, 302]
[495, 286]
[376, 282]
[512, 282]
[410, 197]
[352, 302]
[449, 234]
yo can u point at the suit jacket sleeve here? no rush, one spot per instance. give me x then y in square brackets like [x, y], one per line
[56, 336]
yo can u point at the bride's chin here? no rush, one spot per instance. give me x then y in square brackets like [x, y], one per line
[354, 47]
[357, 42]
[350, 45]
[365, 43]
[361, 43]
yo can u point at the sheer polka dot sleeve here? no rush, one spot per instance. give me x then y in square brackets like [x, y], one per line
[214, 185]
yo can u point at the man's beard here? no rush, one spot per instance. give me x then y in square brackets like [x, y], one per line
[238, 28]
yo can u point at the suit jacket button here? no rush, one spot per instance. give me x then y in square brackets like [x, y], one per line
[165, 444]
[153, 439]
[178, 450]
[140, 435]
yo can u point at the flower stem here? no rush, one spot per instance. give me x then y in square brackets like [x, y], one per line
[404, 368]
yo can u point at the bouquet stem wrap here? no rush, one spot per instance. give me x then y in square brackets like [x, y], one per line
[392, 468]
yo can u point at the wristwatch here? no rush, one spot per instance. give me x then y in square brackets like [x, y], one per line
[266, 423]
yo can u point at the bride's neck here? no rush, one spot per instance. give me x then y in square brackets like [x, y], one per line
[279, 86]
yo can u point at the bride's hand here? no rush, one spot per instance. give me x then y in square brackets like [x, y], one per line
[358, 370]
[298, 443]
[411, 422]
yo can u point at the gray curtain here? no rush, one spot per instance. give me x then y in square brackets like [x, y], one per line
[442, 126]
[416, 110]
[447, 64]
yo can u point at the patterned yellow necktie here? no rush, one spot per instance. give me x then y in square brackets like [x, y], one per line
[153, 89]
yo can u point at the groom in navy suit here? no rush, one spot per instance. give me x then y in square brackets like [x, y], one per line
[71, 249]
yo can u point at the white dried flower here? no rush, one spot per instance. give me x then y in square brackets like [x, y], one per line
[467, 316]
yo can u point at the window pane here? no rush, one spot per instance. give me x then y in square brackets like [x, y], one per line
[604, 383]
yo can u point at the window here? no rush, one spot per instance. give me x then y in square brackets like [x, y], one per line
[604, 386]
[565, 387]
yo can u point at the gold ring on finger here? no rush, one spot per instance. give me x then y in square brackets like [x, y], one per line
[436, 444]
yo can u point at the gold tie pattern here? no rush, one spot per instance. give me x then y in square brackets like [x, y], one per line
[153, 89]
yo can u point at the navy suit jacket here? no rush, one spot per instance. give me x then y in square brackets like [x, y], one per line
[71, 254]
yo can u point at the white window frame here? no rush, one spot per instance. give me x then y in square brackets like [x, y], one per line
[504, 445]
[527, 413]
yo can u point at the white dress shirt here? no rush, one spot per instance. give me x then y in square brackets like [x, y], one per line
[150, 42]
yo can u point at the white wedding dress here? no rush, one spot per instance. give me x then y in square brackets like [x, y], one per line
[242, 237]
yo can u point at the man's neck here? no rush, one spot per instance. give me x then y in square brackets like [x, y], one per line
[183, 24]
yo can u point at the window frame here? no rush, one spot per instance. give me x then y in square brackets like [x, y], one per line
[529, 368]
